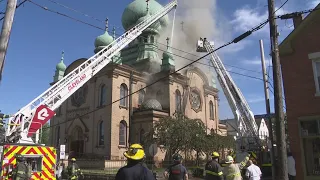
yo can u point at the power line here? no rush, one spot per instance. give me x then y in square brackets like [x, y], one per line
[281, 6]
[61, 14]
[236, 40]
[16, 8]
[76, 11]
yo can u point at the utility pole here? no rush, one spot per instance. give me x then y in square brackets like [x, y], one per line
[5, 32]
[268, 111]
[278, 99]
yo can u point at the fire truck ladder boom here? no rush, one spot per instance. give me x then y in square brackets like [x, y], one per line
[246, 123]
[64, 88]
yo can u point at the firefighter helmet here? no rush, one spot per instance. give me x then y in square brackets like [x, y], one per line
[229, 160]
[177, 157]
[20, 158]
[215, 154]
[135, 152]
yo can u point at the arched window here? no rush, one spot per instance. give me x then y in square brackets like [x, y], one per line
[211, 106]
[141, 96]
[123, 94]
[123, 133]
[178, 101]
[212, 131]
[100, 134]
[145, 39]
[57, 136]
[142, 136]
[152, 39]
[103, 95]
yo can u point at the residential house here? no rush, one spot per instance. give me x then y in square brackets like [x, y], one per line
[300, 65]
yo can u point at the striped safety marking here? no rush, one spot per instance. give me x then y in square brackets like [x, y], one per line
[48, 159]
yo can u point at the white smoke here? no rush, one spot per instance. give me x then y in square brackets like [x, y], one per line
[200, 18]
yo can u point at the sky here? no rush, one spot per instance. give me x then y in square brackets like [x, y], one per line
[38, 37]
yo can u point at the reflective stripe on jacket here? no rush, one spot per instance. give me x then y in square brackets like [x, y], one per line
[232, 172]
[213, 171]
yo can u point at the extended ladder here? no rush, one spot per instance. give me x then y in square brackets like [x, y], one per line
[244, 116]
[64, 88]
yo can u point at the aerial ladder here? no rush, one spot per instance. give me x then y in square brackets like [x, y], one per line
[248, 134]
[29, 118]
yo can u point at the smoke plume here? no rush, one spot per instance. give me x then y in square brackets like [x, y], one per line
[194, 19]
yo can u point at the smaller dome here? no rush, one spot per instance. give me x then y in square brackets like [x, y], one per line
[61, 66]
[103, 40]
[167, 54]
[151, 104]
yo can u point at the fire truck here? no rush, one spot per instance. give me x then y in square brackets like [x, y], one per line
[247, 138]
[29, 119]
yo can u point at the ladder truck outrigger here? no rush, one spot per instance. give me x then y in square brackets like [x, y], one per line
[247, 138]
[30, 118]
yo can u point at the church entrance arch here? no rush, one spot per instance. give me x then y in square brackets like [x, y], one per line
[77, 142]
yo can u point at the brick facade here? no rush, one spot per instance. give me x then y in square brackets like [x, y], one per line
[299, 83]
[86, 128]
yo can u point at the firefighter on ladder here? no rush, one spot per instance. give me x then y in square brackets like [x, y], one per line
[213, 169]
[21, 171]
[73, 170]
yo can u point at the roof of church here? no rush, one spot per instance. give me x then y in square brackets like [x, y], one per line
[151, 104]
[138, 9]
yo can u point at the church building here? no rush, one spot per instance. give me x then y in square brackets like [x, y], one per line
[98, 123]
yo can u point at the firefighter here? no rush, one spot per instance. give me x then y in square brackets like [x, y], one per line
[134, 170]
[2, 117]
[231, 171]
[73, 170]
[21, 171]
[176, 171]
[213, 169]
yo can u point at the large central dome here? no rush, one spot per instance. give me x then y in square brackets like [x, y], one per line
[138, 9]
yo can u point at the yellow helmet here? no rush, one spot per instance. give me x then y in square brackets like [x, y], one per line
[73, 159]
[215, 154]
[229, 160]
[135, 152]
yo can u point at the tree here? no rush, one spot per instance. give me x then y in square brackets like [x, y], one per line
[45, 134]
[2, 134]
[179, 133]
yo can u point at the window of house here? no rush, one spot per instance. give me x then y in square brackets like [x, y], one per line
[178, 101]
[310, 131]
[123, 133]
[315, 57]
[211, 110]
[141, 96]
[103, 95]
[123, 95]
[101, 134]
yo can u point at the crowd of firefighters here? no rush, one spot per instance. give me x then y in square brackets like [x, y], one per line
[136, 169]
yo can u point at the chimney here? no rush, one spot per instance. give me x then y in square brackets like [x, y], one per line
[297, 20]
